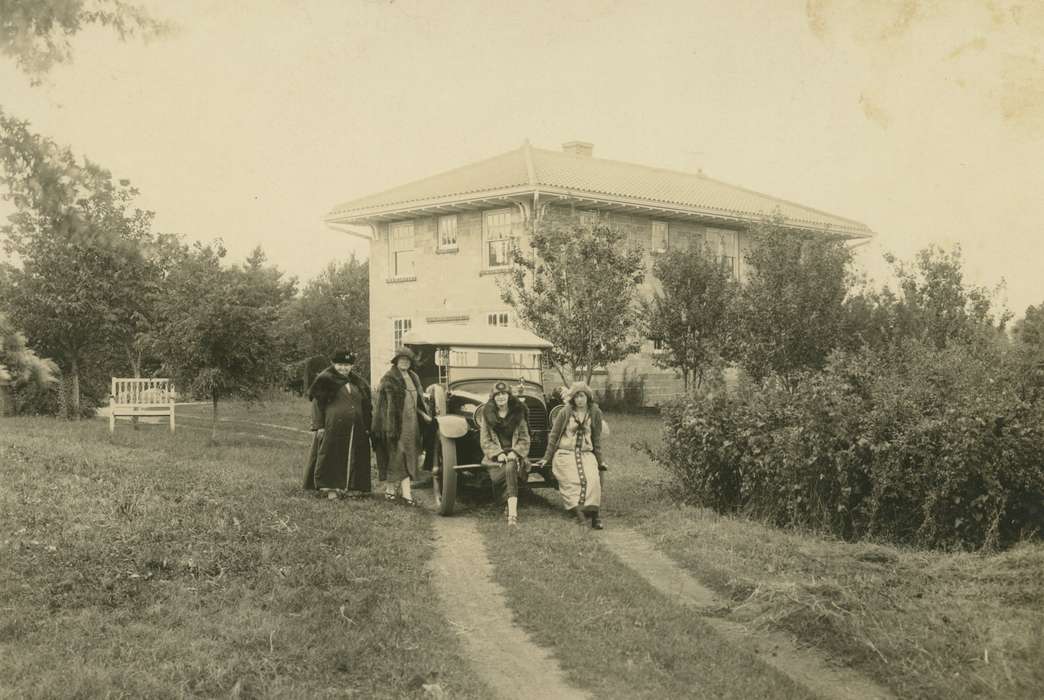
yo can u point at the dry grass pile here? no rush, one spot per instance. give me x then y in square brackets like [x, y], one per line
[928, 624]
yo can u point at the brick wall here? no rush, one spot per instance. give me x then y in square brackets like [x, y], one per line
[452, 287]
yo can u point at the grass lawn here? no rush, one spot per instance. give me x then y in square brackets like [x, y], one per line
[611, 631]
[145, 564]
[150, 565]
[926, 624]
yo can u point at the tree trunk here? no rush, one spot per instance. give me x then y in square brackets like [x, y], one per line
[134, 358]
[214, 418]
[558, 368]
[136, 369]
[74, 403]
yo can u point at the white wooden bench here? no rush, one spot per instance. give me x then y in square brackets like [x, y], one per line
[136, 397]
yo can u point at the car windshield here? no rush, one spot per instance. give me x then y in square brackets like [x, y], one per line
[492, 364]
[481, 387]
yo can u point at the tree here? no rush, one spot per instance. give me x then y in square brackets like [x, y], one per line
[790, 313]
[332, 313]
[80, 248]
[933, 302]
[690, 313]
[1030, 328]
[578, 289]
[218, 336]
[35, 33]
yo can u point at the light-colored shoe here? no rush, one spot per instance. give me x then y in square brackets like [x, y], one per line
[512, 521]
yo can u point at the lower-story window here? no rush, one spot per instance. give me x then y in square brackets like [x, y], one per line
[400, 327]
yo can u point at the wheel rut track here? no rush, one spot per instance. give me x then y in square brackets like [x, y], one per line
[775, 649]
[499, 651]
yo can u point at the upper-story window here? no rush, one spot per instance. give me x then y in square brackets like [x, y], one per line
[448, 232]
[501, 319]
[722, 244]
[587, 218]
[402, 249]
[497, 241]
[660, 239]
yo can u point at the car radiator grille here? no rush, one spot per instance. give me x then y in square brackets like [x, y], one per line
[536, 416]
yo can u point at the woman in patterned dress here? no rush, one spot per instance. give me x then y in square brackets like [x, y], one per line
[574, 450]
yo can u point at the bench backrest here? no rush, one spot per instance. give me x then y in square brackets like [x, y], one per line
[142, 391]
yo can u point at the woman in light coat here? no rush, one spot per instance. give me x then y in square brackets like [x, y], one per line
[574, 450]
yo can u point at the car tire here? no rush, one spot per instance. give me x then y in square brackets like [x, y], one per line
[444, 475]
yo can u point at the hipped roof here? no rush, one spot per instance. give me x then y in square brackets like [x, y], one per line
[614, 184]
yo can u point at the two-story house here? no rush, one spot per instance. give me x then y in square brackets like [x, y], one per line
[438, 244]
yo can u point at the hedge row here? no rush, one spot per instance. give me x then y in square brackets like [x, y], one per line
[941, 448]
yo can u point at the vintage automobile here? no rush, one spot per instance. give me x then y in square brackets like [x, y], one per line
[458, 367]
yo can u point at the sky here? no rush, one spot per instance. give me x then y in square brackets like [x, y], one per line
[922, 119]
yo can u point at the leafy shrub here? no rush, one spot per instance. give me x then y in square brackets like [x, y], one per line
[30, 379]
[938, 447]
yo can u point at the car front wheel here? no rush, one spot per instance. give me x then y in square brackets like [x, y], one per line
[444, 475]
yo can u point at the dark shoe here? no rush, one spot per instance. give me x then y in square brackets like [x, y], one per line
[579, 515]
[596, 522]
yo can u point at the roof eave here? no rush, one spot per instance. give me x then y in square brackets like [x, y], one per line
[456, 203]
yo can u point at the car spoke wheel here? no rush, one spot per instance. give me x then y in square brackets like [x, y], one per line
[444, 475]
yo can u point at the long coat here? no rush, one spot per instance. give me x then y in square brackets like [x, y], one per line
[341, 408]
[387, 416]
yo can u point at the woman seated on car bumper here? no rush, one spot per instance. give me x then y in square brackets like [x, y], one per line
[504, 436]
[574, 450]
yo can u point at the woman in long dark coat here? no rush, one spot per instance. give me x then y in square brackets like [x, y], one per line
[399, 419]
[339, 463]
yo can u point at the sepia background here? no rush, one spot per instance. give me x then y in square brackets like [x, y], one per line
[925, 120]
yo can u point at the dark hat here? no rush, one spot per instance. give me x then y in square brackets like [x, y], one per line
[346, 357]
[501, 388]
[405, 352]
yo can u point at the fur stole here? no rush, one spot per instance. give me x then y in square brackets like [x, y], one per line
[391, 395]
[516, 412]
[330, 381]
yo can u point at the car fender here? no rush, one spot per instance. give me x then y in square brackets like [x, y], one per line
[453, 426]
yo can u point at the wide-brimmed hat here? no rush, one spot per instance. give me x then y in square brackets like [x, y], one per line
[345, 357]
[407, 353]
[501, 388]
[580, 388]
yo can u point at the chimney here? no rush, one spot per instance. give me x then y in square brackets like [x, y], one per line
[578, 148]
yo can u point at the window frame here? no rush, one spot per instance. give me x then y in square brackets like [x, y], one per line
[588, 217]
[719, 252]
[666, 237]
[400, 326]
[507, 316]
[442, 246]
[393, 250]
[487, 239]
